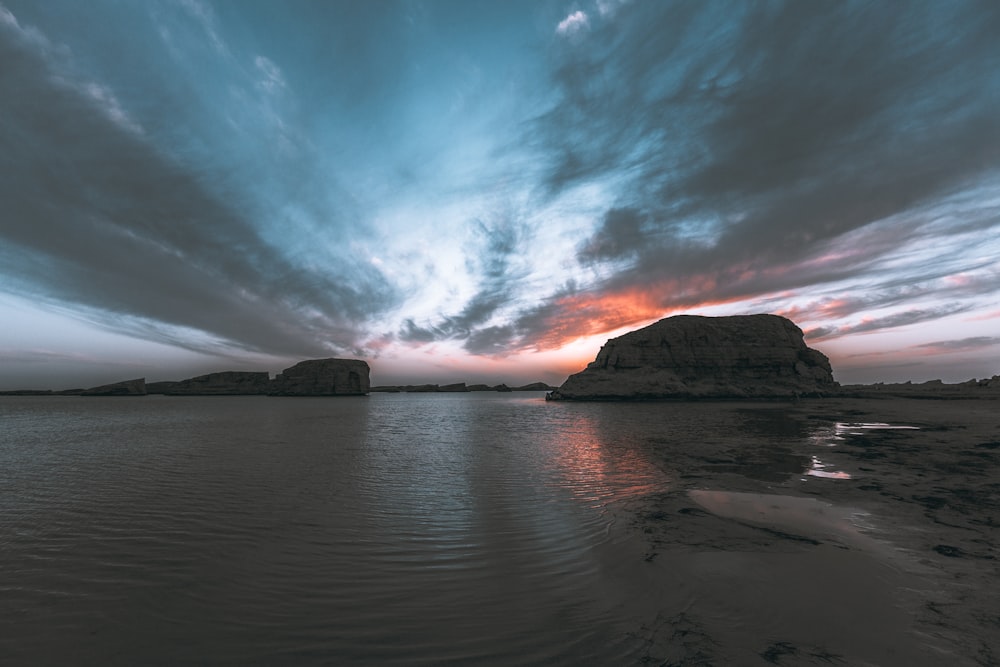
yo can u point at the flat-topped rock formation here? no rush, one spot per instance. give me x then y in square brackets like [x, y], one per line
[323, 377]
[125, 388]
[224, 383]
[690, 356]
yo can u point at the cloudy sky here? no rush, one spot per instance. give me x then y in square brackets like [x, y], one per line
[486, 191]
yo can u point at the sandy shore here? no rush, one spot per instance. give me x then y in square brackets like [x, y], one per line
[873, 540]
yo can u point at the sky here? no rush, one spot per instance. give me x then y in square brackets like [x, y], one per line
[488, 191]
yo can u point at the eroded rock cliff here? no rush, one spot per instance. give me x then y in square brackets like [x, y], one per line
[690, 356]
[323, 377]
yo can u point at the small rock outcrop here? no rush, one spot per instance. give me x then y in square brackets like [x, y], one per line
[691, 356]
[534, 386]
[323, 377]
[224, 383]
[125, 388]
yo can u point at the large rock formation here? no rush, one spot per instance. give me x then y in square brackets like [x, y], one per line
[322, 377]
[124, 388]
[225, 383]
[689, 356]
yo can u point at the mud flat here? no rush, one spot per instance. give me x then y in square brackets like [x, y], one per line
[866, 534]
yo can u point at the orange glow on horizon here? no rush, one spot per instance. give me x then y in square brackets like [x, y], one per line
[584, 316]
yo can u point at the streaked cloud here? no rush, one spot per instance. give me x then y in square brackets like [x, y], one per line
[793, 146]
[972, 343]
[891, 321]
[498, 182]
[495, 260]
[97, 216]
[272, 79]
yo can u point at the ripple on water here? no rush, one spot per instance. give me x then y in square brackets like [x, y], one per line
[394, 529]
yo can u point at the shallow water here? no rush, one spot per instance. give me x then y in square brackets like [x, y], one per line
[388, 529]
[475, 528]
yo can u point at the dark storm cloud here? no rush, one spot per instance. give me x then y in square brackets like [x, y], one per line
[493, 340]
[493, 259]
[96, 219]
[754, 141]
[620, 236]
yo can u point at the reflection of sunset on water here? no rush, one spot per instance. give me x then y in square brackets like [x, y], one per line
[599, 469]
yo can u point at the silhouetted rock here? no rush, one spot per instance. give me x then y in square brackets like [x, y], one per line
[26, 392]
[502, 387]
[932, 389]
[535, 386]
[225, 383]
[421, 388]
[458, 386]
[386, 389]
[160, 387]
[126, 388]
[480, 387]
[322, 377]
[690, 356]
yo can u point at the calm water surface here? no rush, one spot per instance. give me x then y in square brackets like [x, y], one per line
[390, 529]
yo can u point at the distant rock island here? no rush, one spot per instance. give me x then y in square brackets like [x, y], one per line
[313, 377]
[984, 388]
[125, 388]
[681, 357]
[692, 356]
[322, 377]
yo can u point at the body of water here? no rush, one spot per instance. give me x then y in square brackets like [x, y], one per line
[390, 529]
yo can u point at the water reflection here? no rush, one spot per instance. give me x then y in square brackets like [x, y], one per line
[857, 428]
[601, 462]
[807, 516]
[818, 470]
[396, 529]
[835, 435]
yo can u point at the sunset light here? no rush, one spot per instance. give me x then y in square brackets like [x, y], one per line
[459, 190]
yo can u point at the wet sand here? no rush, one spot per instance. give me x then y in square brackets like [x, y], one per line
[873, 541]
